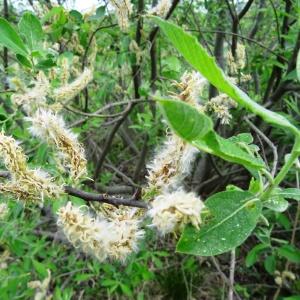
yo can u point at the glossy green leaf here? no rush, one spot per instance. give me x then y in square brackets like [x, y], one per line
[185, 120]
[31, 30]
[197, 57]
[291, 253]
[233, 216]
[11, 39]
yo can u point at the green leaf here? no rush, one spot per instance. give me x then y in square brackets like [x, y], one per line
[252, 255]
[197, 57]
[185, 120]
[24, 60]
[270, 264]
[233, 216]
[276, 201]
[109, 282]
[196, 128]
[11, 39]
[290, 252]
[31, 30]
[284, 221]
[291, 193]
[100, 12]
[227, 150]
[83, 277]
[40, 268]
[76, 15]
[126, 289]
[45, 64]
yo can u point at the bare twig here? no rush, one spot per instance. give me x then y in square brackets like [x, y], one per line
[270, 144]
[104, 198]
[87, 196]
[224, 277]
[109, 141]
[244, 38]
[231, 274]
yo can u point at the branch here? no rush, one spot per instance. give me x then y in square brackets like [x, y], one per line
[153, 54]
[231, 275]
[258, 19]
[109, 141]
[104, 198]
[244, 38]
[268, 141]
[245, 9]
[87, 196]
[224, 277]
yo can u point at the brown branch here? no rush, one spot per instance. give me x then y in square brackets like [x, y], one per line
[153, 54]
[87, 196]
[103, 198]
[84, 60]
[218, 49]
[258, 19]
[109, 141]
[245, 9]
[235, 25]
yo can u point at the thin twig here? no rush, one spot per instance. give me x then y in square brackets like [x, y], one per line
[231, 274]
[268, 141]
[242, 37]
[224, 277]
[87, 196]
[104, 198]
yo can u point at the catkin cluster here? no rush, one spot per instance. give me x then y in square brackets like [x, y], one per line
[123, 10]
[170, 211]
[171, 164]
[30, 185]
[172, 206]
[191, 86]
[51, 128]
[48, 125]
[161, 8]
[34, 97]
[103, 238]
[237, 63]
[220, 106]
[68, 91]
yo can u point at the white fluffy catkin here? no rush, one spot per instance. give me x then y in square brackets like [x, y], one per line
[171, 211]
[26, 184]
[67, 92]
[102, 238]
[51, 128]
[123, 10]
